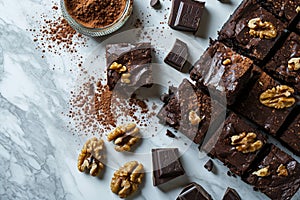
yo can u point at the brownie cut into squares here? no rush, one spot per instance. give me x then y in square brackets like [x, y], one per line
[236, 144]
[252, 31]
[128, 66]
[268, 103]
[222, 70]
[277, 175]
[191, 111]
[286, 10]
[285, 64]
[291, 136]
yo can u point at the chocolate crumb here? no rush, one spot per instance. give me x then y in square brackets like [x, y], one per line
[209, 165]
[170, 134]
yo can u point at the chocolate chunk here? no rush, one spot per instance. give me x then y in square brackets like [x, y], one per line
[166, 165]
[186, 14]
[154, 3]
[209, 165]
[178, 55]
[194, 192]
[170, 134]
[231, 194]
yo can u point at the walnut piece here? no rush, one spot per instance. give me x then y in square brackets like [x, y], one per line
[282, 171]
[91, 156]
[246, 142]
[125, 78]
[124, 137]
[127, 179]
[278, 97]
[226, 62]
[118, 67]
[262, 29]
[294, 64]
[194, 118]
[262, 172]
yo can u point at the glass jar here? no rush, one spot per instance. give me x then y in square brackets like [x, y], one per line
[94, 32]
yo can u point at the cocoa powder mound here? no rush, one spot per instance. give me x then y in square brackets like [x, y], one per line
[95, 13]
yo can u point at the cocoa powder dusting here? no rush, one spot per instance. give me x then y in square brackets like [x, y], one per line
[95, 13]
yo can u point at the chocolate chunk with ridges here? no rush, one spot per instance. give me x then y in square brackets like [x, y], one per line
[186, 14]
[209, 165]
[194, 192]
[231, 194]
[178, 55]
[166, 165]
[170, 134]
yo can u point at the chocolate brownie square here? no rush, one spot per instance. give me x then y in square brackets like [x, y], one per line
[222, 70]
[285, 64]
[268, 103]
[286, 10]
[190, 111]
[237, 145]
[252, 31]
[291, 137]
[128, 66]
[277, 175]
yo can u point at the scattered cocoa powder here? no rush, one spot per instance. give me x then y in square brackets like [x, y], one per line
[95, 13]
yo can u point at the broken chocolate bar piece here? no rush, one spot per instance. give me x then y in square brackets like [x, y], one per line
[178, 55]
[194, 192]
[154, 3]
[186, 14]
[231, 194]
[170, 134]
[209, 165]
[166, 165]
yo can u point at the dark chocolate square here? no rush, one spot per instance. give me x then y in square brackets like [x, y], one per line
[222, 148]
[250, 106]
[276, 186]
[236, 32]
[194, 191]
[291, 137]
[186, 14]
[278, 66]
[231, 194]
[184, 100]
[166, 165]
[178, 56]
[222, 70]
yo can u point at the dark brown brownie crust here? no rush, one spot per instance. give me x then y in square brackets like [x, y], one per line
[277, 187]
[278, 65]
[213, 72]
[235, 32]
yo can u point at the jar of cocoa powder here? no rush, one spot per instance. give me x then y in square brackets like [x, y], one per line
[96, 17]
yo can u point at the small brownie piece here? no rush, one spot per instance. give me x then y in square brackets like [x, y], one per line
[291, 137]
[268, 103]
[237, 145]
[131, 60]
[186, 14]
[178, 55]
[252, 30]
[231, 194]
[286, 10]
[222, 70]
[190, 111]
[277, 175]
[166, 165]
[285, 64]
[194, 191]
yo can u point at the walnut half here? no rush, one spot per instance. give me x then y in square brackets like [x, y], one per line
[262, 29]
[127, 179]
[124, 137]
[278, 97]
[246, 142]
[91, 156]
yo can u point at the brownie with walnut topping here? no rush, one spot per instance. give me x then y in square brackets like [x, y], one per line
[285, 64]
[236, 144]
[257, 42]
[277, 174]
[223, 71]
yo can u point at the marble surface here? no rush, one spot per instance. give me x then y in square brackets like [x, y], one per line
[38, 152]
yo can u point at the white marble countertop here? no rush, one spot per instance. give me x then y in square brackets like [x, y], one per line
[38, 152]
